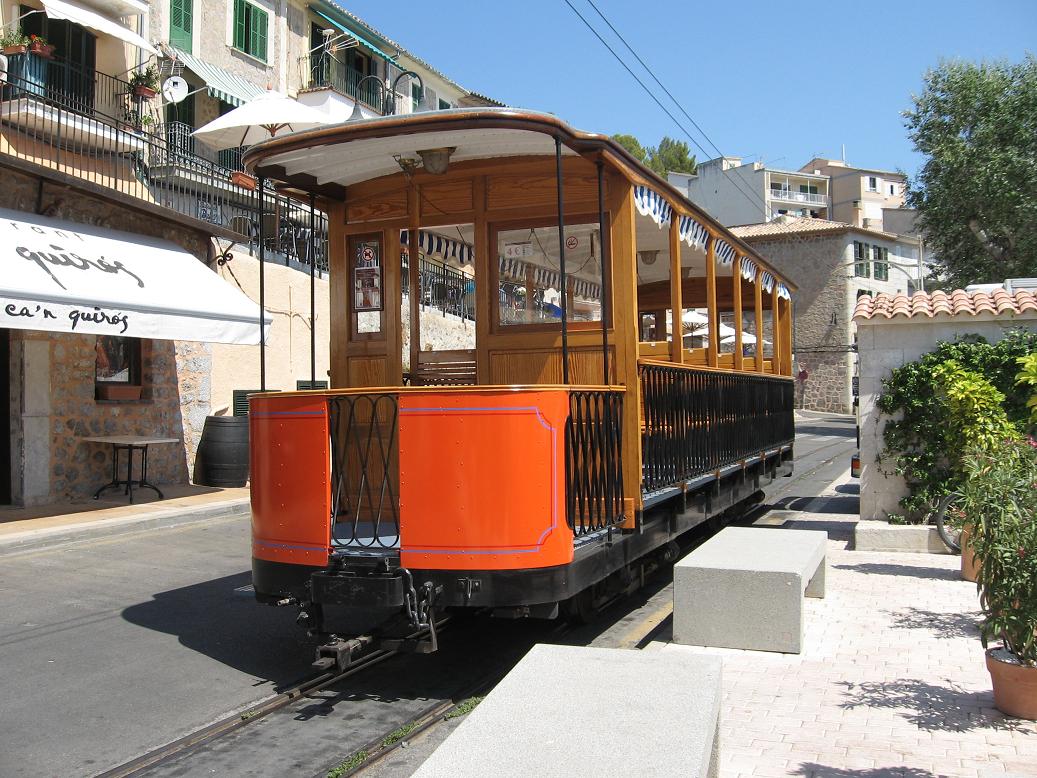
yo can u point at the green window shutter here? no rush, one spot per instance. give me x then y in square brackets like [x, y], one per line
[181, 24]
[258, 34]
[240, 9]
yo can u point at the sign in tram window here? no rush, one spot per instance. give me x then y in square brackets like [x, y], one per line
[366, 270]
[529, 274]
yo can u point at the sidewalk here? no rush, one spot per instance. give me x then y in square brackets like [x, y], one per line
[31, 529]
[891, 682]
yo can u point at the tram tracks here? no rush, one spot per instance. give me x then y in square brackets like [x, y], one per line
[236, 721]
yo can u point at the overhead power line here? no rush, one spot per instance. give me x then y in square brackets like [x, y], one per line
[736, 180]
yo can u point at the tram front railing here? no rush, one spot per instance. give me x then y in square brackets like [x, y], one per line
[593, 460]
[365, 507]
[697, 421]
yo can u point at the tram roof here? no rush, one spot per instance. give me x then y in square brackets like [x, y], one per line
[326, 160]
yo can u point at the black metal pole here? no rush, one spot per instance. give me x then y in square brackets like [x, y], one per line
[605, 248]
[561, 262]
[313, 313]
[262, 290]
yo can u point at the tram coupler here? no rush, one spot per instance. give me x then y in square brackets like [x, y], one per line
[337, 654]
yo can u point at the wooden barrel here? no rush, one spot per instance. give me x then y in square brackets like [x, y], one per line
[222, 458]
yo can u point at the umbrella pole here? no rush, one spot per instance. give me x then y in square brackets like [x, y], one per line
[313, 316]
[262, 290]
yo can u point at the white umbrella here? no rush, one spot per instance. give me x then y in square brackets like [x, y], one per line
[261, 118]
[723, 330]
[747, 338]
[693, 318]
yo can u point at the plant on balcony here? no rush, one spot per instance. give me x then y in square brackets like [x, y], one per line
[242, 179]
[38, 45]
[14, 42]
[144, 83]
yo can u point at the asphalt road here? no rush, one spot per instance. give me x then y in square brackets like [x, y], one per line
[113, 647]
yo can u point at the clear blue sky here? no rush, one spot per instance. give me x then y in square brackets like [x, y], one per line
[764, 81]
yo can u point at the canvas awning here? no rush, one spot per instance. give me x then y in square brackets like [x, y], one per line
[61, 276]
[95, 20]
[220, 83]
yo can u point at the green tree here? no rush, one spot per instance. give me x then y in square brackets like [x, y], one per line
[633, 145]
[671, 156]
[976, 194]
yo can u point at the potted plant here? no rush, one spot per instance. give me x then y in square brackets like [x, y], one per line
[13, 42]
[1000, 499]
[38, 45]
[144, 83]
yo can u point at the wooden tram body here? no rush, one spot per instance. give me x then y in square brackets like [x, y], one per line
[547, 458]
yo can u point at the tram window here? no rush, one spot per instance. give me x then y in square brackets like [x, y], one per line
[529, 279]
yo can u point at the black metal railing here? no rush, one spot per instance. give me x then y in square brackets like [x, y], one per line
[593, 460]
[180, 136]
[365, 508]
[696, 421]
[443, 289]
[325, 72]
[105, 135]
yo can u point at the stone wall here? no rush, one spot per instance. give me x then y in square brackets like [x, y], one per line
[438, 332]
[52, 374]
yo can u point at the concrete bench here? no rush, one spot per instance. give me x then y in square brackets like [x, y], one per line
[573, 711]
[744, 588]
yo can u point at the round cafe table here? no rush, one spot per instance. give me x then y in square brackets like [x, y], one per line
[129, 444]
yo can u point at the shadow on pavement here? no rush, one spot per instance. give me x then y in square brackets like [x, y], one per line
[944, 626]
[931, 706]
[830, 432]
[877, 568]
[814, 770]
[220, 619]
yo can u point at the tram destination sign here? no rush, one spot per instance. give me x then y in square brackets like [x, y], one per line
[518, 250]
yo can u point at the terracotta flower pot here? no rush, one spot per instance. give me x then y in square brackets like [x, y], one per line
[17, 49]
[112, 391]
[243, 180]
[969, 563]
[145, 92]
[1015, 687]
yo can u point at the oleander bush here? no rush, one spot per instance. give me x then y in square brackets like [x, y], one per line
[999, 497]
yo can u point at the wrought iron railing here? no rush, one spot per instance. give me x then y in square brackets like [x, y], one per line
[443, 289]
[696, 421]
[593, 460]
[99, 132]
[323, 71]
[180, 136]
[365, 508]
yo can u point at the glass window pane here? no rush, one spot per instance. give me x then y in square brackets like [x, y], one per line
[530, 282]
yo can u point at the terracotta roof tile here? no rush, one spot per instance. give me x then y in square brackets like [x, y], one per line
[940, 303]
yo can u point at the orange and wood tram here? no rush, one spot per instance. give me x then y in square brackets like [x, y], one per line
[546, 366]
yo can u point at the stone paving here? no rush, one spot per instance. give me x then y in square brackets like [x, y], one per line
[892, 680]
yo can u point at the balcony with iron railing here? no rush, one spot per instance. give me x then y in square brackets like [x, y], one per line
[78, 122]
[792, 196]
[320, 70]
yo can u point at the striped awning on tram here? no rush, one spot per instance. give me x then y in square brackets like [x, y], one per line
[724, 251]
[693, 233]
[446, 248]
[766, 281]
[748, 269]
[783, 291]
[651, 203]
[515, 270]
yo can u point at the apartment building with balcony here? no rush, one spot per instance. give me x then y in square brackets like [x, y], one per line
[736, 192]
[104, 185]
[860, 195]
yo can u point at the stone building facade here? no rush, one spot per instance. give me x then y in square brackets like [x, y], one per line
[819, 257]
[51, 375]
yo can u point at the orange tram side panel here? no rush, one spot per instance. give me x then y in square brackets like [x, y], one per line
[290, 463]
[482, 480]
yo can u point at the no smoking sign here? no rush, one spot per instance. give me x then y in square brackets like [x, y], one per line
[572, 242]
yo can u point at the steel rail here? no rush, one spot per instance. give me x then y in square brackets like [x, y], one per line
[236, 721]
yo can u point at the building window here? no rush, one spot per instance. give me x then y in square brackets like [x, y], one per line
[862, 292]
[117, 373]
[415, 96]
[444, 105]
[873, 184]
[861, 266]
[250, 27]
[808, 188]
[892, 190]
[881, 258]
[181, 24]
